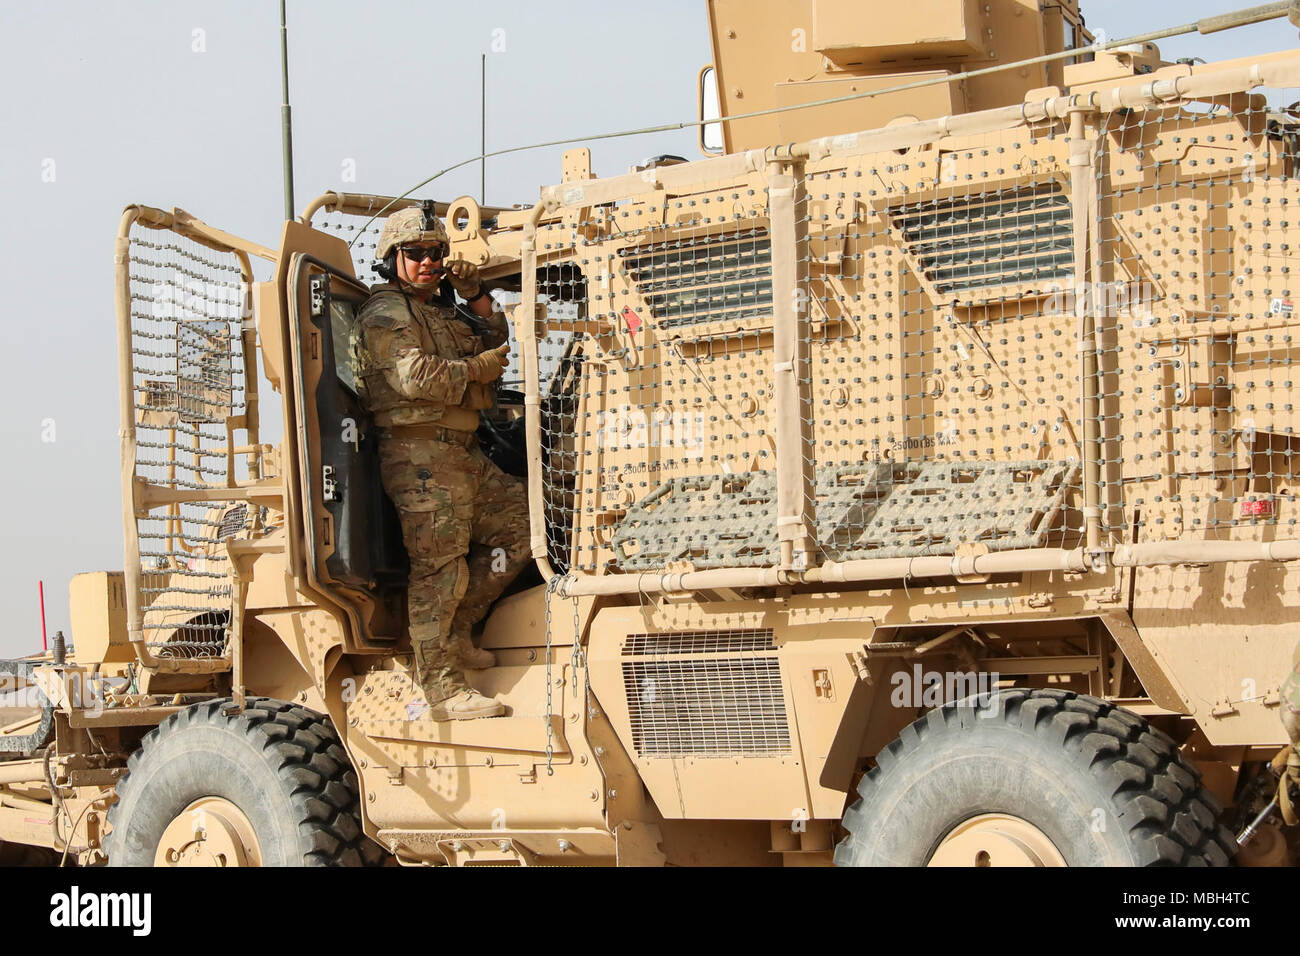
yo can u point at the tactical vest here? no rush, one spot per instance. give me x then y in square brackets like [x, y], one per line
[441, 333]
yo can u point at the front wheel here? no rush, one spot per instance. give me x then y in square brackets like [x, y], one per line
[1033, 778]
[270, 786]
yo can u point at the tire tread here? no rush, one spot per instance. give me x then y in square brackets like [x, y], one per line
[303, 749]
[1169, 819]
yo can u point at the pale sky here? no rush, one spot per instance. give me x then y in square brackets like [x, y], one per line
[177, 103]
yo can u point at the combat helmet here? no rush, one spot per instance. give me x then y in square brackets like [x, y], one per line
[412, 224]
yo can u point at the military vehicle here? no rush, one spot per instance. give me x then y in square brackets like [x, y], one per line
[910, 483]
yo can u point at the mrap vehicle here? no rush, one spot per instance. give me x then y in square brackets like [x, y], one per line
[911, 482]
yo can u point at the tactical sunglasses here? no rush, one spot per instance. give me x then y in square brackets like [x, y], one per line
[420, 253]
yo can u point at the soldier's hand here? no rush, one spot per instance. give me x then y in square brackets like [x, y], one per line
[464, 278]
[490, 365]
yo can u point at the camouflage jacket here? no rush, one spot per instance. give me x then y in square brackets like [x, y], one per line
[410, 358]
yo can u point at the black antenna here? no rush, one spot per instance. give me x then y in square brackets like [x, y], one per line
[286, 122]
[482, 99]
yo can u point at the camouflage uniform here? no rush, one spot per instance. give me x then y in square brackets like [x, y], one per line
[456, 507]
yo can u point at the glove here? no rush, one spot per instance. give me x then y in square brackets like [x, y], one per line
[463, 276]
[488, 366]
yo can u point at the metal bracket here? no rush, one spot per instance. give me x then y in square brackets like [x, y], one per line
[319, 292]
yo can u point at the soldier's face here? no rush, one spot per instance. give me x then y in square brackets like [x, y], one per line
[424, 274]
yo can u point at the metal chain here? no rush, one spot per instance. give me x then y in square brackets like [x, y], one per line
[551, 586]
[578, 659]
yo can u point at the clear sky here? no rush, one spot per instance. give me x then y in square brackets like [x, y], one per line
[177, 103]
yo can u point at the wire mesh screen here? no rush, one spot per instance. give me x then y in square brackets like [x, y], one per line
[1025, 338]
[188, 305]
[1193, 306]
[361, 235]
[921, 437]
[944, 385]
[662, 404]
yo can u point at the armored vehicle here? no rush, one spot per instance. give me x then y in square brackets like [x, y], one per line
[909, 483]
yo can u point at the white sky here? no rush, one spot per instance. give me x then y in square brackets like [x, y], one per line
[113, 97]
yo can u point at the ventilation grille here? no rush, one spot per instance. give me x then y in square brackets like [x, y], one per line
[705, 694]
[704, 280]
[699, 642]
[232, 522]
[1010, 237]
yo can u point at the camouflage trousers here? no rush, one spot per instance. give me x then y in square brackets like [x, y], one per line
[465, 526]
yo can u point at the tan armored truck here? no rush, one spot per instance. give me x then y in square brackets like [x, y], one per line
[912, 482]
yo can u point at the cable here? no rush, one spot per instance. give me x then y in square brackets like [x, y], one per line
[1206, 25]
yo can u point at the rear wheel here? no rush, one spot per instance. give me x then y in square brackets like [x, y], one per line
[271, 786]
[1033, 778]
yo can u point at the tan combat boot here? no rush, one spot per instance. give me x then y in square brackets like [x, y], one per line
[464, 654]
[451, 698]
[467, 705]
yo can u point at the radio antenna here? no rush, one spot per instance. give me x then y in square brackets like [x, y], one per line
[286, 122]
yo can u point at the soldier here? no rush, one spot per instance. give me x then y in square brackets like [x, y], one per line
[425, 374]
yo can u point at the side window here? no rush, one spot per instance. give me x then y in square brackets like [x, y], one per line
[343, 320]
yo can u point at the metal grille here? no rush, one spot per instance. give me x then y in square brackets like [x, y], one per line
[188, 305]
[232, 522]
[726, 277]
[1008, 237]
[699, 642]
[879, 510]
[706, 707]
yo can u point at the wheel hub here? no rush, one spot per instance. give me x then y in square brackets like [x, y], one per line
[211, 831]
[996, 839]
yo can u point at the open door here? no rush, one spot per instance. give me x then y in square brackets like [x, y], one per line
[352, 535]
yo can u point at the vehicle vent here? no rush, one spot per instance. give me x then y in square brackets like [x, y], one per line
[699, 642]
[705, 694]
[712, 278]
[232, 522]
[982, 241]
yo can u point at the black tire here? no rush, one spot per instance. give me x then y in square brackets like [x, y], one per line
[282, 765]
[1098, 781]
